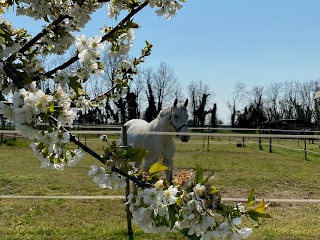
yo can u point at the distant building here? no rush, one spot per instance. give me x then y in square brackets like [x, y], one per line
[287, 124]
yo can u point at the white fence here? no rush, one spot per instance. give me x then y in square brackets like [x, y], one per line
[239, 136]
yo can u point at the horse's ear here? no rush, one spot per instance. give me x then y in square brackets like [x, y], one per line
[186, 103]
[175, 102]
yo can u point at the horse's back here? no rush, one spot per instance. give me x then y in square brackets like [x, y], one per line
[135, 132]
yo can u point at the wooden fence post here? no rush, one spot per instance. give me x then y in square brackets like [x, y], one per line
[270, 145]
[305, 149]
[208, 144]
[129, 223]
[260, 145]
[203, 140]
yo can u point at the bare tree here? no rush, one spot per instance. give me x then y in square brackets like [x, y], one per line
[290, 101]
[199, 95]
[165, 85]
[238, 97]
[138, 87]
[255, 95]
[316, 116]
[306, 93]
[272, 98]
[151, 111]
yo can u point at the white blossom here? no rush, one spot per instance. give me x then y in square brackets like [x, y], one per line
[124, 44]
[81, 42]
[58, 139]
[75, 157]
[95, 43]
[169, 195]
[199, 189]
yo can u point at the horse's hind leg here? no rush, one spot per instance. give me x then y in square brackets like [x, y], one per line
[169, 176]
[169, 162]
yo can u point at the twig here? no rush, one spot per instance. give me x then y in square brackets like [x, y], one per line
[130, 15]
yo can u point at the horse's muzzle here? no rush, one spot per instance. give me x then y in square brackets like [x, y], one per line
[184, 138]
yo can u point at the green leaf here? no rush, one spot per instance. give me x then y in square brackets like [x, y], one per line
[179, 202]
[199, 174]
[251, 198]
[51, 108]
[134, 154]
[255, 215]
[172, 215]
[74, 84]
[213, 190]
[261, 207]
[158, 167]
[258, 211]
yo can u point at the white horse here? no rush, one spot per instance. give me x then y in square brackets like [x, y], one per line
[171, 119]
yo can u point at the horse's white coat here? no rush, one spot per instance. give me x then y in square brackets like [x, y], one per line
[171, 119]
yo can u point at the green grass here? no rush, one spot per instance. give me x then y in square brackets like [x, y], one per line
[281, 174]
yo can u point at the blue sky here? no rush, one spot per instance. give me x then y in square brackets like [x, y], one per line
[224, 42]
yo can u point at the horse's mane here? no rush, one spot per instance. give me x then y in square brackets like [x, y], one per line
[164, 112]
[168, 110]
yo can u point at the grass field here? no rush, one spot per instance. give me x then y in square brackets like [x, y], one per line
[282, 174]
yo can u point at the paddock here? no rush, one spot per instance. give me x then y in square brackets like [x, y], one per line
[283, 176]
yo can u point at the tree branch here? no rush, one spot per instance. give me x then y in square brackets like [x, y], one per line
[18, 83]
[98, 157]
[37, 37]
[104, 38]
[63, 66]
[16, 80]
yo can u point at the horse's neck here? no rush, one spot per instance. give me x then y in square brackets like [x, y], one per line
[162, 124]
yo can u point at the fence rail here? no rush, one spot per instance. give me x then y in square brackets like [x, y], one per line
[286, 200]
[210, 134]
[240, 137]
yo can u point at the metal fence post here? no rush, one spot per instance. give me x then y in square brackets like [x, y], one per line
[129, 223]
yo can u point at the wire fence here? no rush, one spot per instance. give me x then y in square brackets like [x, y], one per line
[239, 136]
[205, 138]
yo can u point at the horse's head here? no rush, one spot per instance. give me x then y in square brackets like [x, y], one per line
[179, 119]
